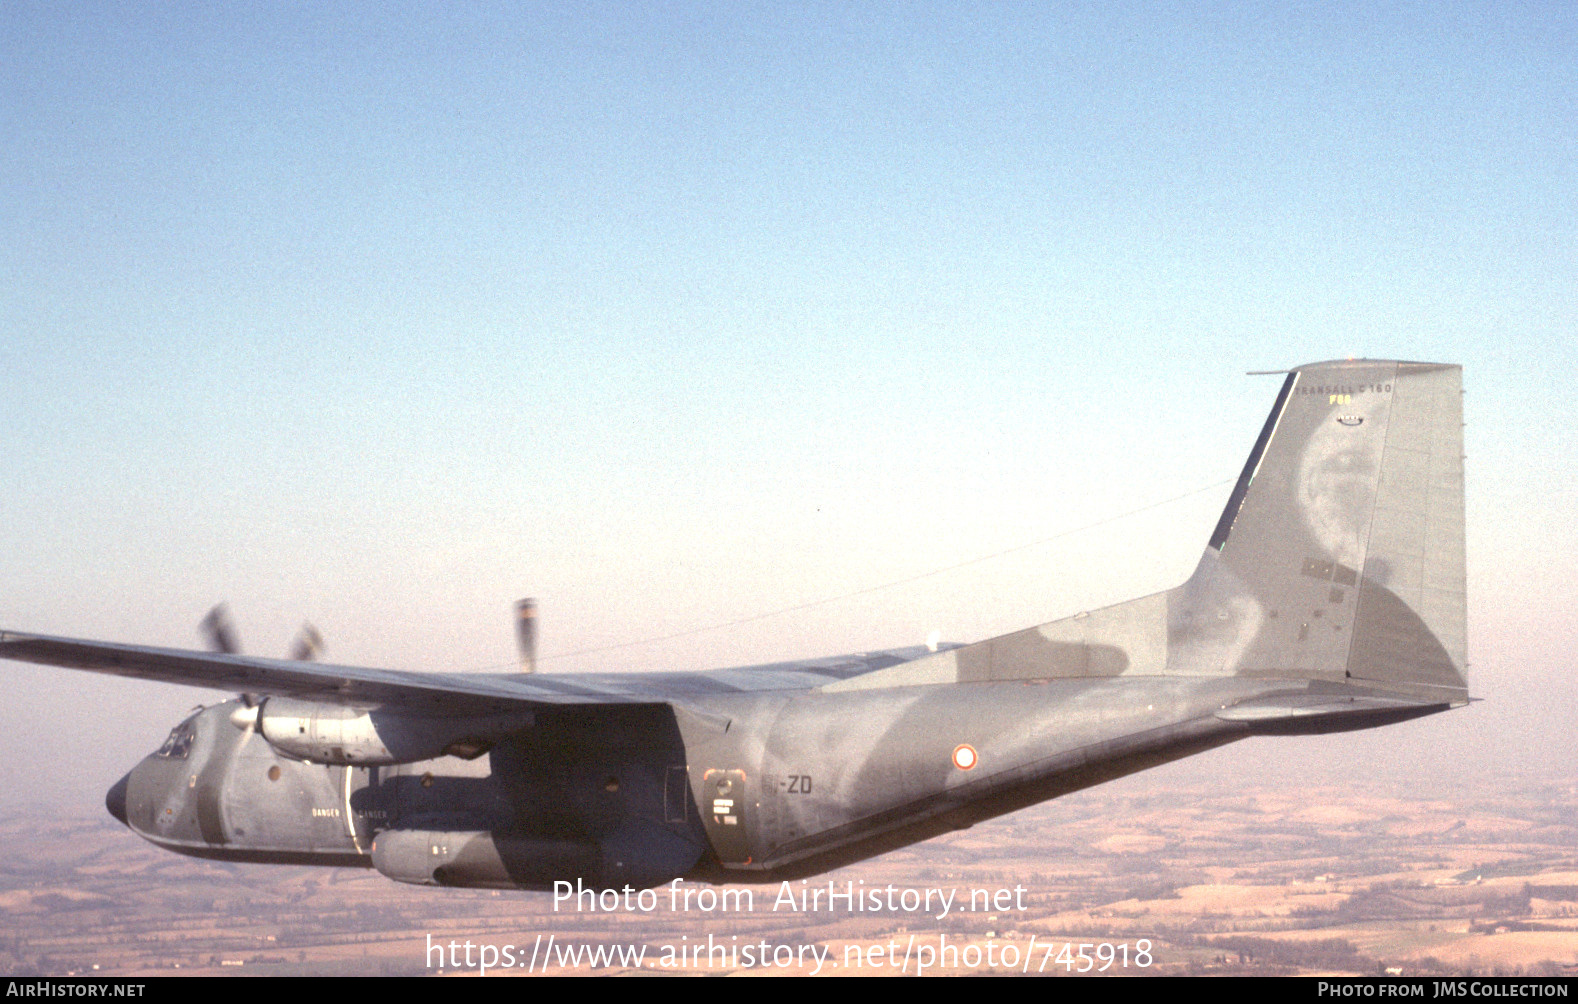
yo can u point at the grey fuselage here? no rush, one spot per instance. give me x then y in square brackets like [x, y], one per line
[747, 787]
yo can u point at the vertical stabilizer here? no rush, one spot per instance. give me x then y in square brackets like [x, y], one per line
[1340, 553]
[1339, 558]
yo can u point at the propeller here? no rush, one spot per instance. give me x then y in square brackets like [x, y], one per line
[220, 633]
[526, 633]
[308, 644]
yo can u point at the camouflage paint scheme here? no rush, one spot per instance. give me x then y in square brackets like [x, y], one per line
[1331, 597]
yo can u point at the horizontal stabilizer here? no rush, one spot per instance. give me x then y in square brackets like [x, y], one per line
[1311, 714]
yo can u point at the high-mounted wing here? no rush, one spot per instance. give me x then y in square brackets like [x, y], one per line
[430, 693]
[348, 685]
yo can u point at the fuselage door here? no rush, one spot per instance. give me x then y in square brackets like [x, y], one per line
[725, 812]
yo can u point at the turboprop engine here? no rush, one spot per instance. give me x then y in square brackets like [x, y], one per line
[370, 737]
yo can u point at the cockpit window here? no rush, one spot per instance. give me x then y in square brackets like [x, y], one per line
[179, 744]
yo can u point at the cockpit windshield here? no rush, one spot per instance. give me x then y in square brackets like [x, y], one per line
[179, 744]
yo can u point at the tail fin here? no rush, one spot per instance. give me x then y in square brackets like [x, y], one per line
[1340, 554]
[1339, 557]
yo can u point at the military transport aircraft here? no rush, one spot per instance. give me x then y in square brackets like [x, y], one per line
[1330, 597]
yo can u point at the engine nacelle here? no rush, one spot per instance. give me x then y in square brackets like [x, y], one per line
[335, 734]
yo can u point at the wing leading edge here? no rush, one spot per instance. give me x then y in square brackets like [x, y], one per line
[453, 693]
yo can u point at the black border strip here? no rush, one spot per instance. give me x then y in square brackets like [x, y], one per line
[1224, 526]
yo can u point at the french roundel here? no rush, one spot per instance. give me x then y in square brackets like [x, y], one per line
[964, 756]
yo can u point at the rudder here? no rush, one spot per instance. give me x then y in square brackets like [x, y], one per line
[1411, 630]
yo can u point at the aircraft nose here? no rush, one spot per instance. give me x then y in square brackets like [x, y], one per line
[115, 800]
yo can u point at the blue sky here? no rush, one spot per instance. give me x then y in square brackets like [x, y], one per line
[383, 316]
